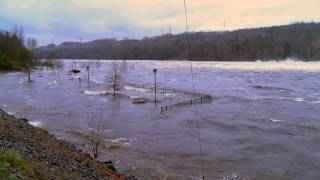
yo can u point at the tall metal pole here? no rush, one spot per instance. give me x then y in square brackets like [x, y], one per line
[155, 85]
[88, 77]
[193, 85]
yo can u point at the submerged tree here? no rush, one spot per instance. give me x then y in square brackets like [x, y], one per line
[124, 65]
[32, 44]
[115, 76]
[95, 133]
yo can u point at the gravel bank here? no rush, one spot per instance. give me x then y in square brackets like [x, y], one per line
[55, 159]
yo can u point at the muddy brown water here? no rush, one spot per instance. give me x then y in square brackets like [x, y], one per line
[263, 123]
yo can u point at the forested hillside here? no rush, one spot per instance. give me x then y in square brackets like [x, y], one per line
[299, 40]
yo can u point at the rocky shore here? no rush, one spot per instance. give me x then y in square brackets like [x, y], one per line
[46, 156]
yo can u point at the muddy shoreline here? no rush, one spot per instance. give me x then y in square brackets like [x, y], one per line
[56, 159]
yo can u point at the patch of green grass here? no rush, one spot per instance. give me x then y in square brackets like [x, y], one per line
[13, 157]
[11, 160]
[4, 172]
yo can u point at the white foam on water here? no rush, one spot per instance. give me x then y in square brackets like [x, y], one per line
[294, 99]
[10, 113]
[168, 94]
[314, 102]
[137, 97]
[276, 120]
[135, 89]
[123, 141]
[104, 100]
[4, 105]
[31, 102]
[54, 83]
[90, 128]
[22, 80]
[303, 100]
[297, 99]
[233, 176]
[46, 70]
[95, 93]
[96, 81]
[289, 64]
[35, 123]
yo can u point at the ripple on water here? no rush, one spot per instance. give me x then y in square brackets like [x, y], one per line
[292, 99]
[270, 88]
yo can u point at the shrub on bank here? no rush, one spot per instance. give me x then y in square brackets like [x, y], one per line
[5, 63]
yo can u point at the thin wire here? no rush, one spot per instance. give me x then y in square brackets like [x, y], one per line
[193, 87]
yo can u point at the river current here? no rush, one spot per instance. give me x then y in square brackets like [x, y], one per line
[263, 121]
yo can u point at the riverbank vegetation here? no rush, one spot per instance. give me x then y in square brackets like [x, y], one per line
[299, 40]
[16, 52]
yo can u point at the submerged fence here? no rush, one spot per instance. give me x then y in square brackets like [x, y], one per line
[198, 98]
[188, 102]
[175, 91]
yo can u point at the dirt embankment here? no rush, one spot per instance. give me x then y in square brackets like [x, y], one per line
[46, 156]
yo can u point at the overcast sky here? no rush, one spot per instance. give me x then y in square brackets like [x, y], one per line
[55, 21]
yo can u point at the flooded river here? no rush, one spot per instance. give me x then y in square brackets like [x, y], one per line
[263, 121]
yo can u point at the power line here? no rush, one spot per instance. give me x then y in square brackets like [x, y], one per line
[193, 86]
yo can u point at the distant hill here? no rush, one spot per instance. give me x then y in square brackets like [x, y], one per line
[299, 40]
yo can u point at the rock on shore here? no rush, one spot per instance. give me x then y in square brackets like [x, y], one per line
[55, 159]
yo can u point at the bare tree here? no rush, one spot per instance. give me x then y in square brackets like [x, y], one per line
[115, 76]
[17, 31]
[124, 65]
[32, 44]
[95, 134]
[16, 46]
[28, 71]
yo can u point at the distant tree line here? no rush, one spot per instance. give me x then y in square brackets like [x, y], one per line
[15, 52]
[299, 40]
